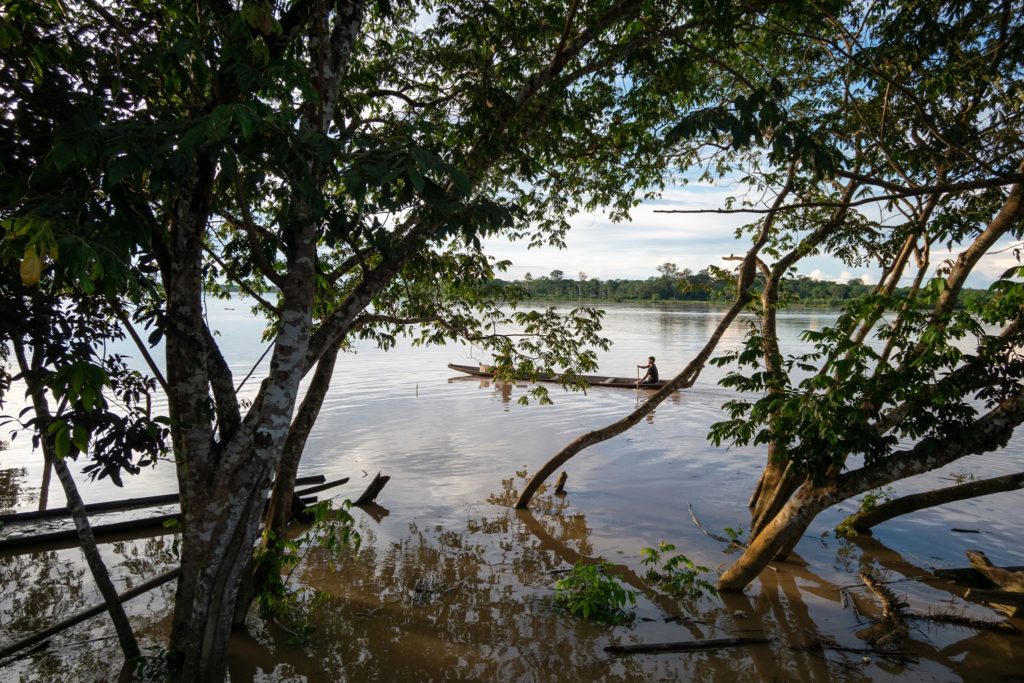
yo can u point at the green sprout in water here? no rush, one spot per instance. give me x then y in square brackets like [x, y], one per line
[589, 591]
[677, 574]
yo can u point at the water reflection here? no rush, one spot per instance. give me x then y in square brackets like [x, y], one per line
[474, 603]
[38, 589]
[11, 488]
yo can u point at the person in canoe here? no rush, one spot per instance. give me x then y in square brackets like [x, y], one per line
[652, 373]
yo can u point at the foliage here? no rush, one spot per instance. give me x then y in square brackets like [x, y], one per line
[590, 592]
[102, 407]
[677, 574]
[735, 535]
[705, 285]
[333, 531]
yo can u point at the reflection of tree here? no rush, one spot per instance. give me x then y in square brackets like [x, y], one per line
[10, 488]
[39, 589]
[468, 604]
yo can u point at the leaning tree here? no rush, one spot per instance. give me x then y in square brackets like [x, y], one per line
[341, 162]
[877, 135]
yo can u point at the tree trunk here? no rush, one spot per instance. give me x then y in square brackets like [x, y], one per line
[298, 433]
[790, 523]
[280, 508]
[989, 432]
[125, 635]
[863, 521]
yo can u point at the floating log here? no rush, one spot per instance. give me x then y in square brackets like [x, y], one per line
[1004, 578]
[684, 645]
[373, 490]
[93, 611]
[130, 503]
[560, 485]
[100, 531]
[1010, 602]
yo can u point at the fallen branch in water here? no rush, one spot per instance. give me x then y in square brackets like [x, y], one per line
[964, 620]
[893, 627]
[720, 539]
[684, 645]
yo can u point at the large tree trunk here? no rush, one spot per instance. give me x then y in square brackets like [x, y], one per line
[989, 432]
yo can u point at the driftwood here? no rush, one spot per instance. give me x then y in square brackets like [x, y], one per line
[155, 524]
[129, 504]
[322, 487]
[892, 628]
[158, 524]
[79, 617]
[969, 576]
[1008, 601]
[373, 490]
[1004, 578]
[684, 645]
[964, 620]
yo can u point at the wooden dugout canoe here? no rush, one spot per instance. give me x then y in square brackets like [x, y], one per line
[592, 380]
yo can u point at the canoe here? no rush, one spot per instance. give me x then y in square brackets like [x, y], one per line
[592, 380]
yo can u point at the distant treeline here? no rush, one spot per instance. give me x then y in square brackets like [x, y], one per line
[710, 284]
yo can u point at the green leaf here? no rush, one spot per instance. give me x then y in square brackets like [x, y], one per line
[62, 442]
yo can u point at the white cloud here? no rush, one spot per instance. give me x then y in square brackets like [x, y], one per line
[633, 250]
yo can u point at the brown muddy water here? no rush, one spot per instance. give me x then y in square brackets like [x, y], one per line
[451, 584]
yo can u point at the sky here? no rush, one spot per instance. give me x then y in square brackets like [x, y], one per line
[633, 250]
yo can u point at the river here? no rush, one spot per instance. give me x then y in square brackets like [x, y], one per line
[451, 584]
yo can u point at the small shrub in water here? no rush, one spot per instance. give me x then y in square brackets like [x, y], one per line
[588, 591]
[678, 574]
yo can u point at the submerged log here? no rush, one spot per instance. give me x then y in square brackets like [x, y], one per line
[79, 617]
[373, 490]
[1010, 602]
[892, 629]
[1004, 578]
[964, 620]
[684, 645]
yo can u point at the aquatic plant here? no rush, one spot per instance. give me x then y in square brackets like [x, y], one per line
[588, 591]
[678, 574]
